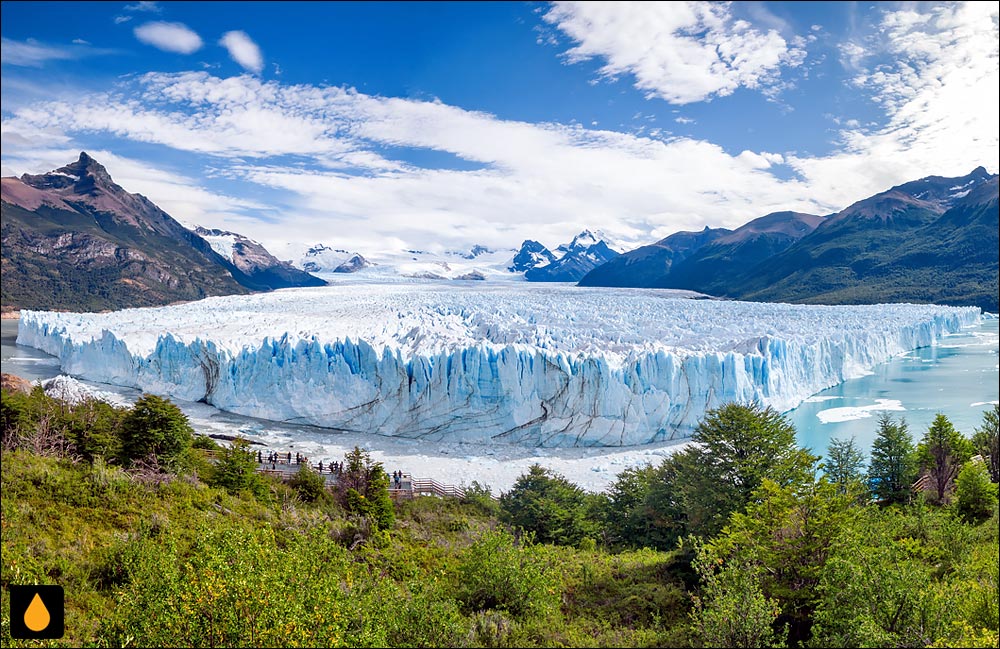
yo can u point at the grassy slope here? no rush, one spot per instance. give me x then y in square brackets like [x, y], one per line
[185, 563]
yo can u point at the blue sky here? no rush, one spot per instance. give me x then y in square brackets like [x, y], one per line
[376, 126]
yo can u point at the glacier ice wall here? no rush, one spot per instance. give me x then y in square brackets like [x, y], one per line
[552, 366]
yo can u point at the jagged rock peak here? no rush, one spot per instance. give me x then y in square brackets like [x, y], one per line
[84, 175]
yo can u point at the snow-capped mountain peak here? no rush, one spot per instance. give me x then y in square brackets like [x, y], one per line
[585, 239]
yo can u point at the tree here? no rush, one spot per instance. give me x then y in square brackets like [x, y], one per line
[731, 610]
[975, 495]
[363, 488]
[942, 452]
[893, 466]
[627, 521]
[986, 441]
[785, 535]
[844, 464]
[548, 505]
[155, 427]
[309, 484]
[736, 447]
[236, 469]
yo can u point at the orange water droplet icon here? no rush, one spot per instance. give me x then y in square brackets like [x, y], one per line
[37, 616]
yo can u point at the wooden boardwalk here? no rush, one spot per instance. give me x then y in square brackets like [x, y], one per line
[407, 487]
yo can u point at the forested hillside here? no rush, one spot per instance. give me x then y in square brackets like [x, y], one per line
[161, 538]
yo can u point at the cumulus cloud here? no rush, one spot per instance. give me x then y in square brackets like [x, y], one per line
[169, 37]
[682, 52]
[243, 50]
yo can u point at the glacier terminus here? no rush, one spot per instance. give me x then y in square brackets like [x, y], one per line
[549, 366]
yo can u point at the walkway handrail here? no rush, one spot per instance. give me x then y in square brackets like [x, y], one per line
[429, 485]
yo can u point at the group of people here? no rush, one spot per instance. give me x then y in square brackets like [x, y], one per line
[284, 458]
[335, 468]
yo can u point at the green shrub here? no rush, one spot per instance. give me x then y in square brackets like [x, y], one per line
[499, 574]
[976, 496]
[155, 428]
[236, 470]
[308, 484]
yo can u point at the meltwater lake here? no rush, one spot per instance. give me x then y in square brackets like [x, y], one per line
[959, 377]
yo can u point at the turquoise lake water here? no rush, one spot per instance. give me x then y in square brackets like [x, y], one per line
[958, 377]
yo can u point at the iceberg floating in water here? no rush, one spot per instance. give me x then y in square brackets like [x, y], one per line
[524, 364]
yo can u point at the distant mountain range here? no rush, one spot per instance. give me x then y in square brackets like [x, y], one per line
[323, 259]
[930, 240]
[74, 239]
[533, 261]
[568, 263]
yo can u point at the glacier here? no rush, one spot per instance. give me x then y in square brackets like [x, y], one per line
[550, 366]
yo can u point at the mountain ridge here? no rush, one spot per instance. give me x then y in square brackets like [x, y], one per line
[928, 240]
[75, 239]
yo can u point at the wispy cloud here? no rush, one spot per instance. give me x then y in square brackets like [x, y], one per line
[169, 37]
[935, 73]
[682, 52]
[180, 195]
[143, 5]
[122, 19]
[31, 53]
[243, 50]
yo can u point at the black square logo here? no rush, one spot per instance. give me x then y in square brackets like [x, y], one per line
[37, 612]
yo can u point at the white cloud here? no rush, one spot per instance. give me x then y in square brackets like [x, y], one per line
[935, 73]
[243, 50]
[122, 19]
[144, 5]
[322, 155]
[80, 41]
[169, 37]
[320, 147]
[682, 52]
[33, 54]
[180, 196]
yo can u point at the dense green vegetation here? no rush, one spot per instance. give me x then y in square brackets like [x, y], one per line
[740, 540]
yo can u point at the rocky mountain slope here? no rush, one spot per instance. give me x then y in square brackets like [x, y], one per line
[74, 239]
[263, 271]
[930, 240]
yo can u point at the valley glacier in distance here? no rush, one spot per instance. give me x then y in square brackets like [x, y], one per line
[516, 363]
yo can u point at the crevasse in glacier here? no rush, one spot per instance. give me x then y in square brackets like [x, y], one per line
[550, 366]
